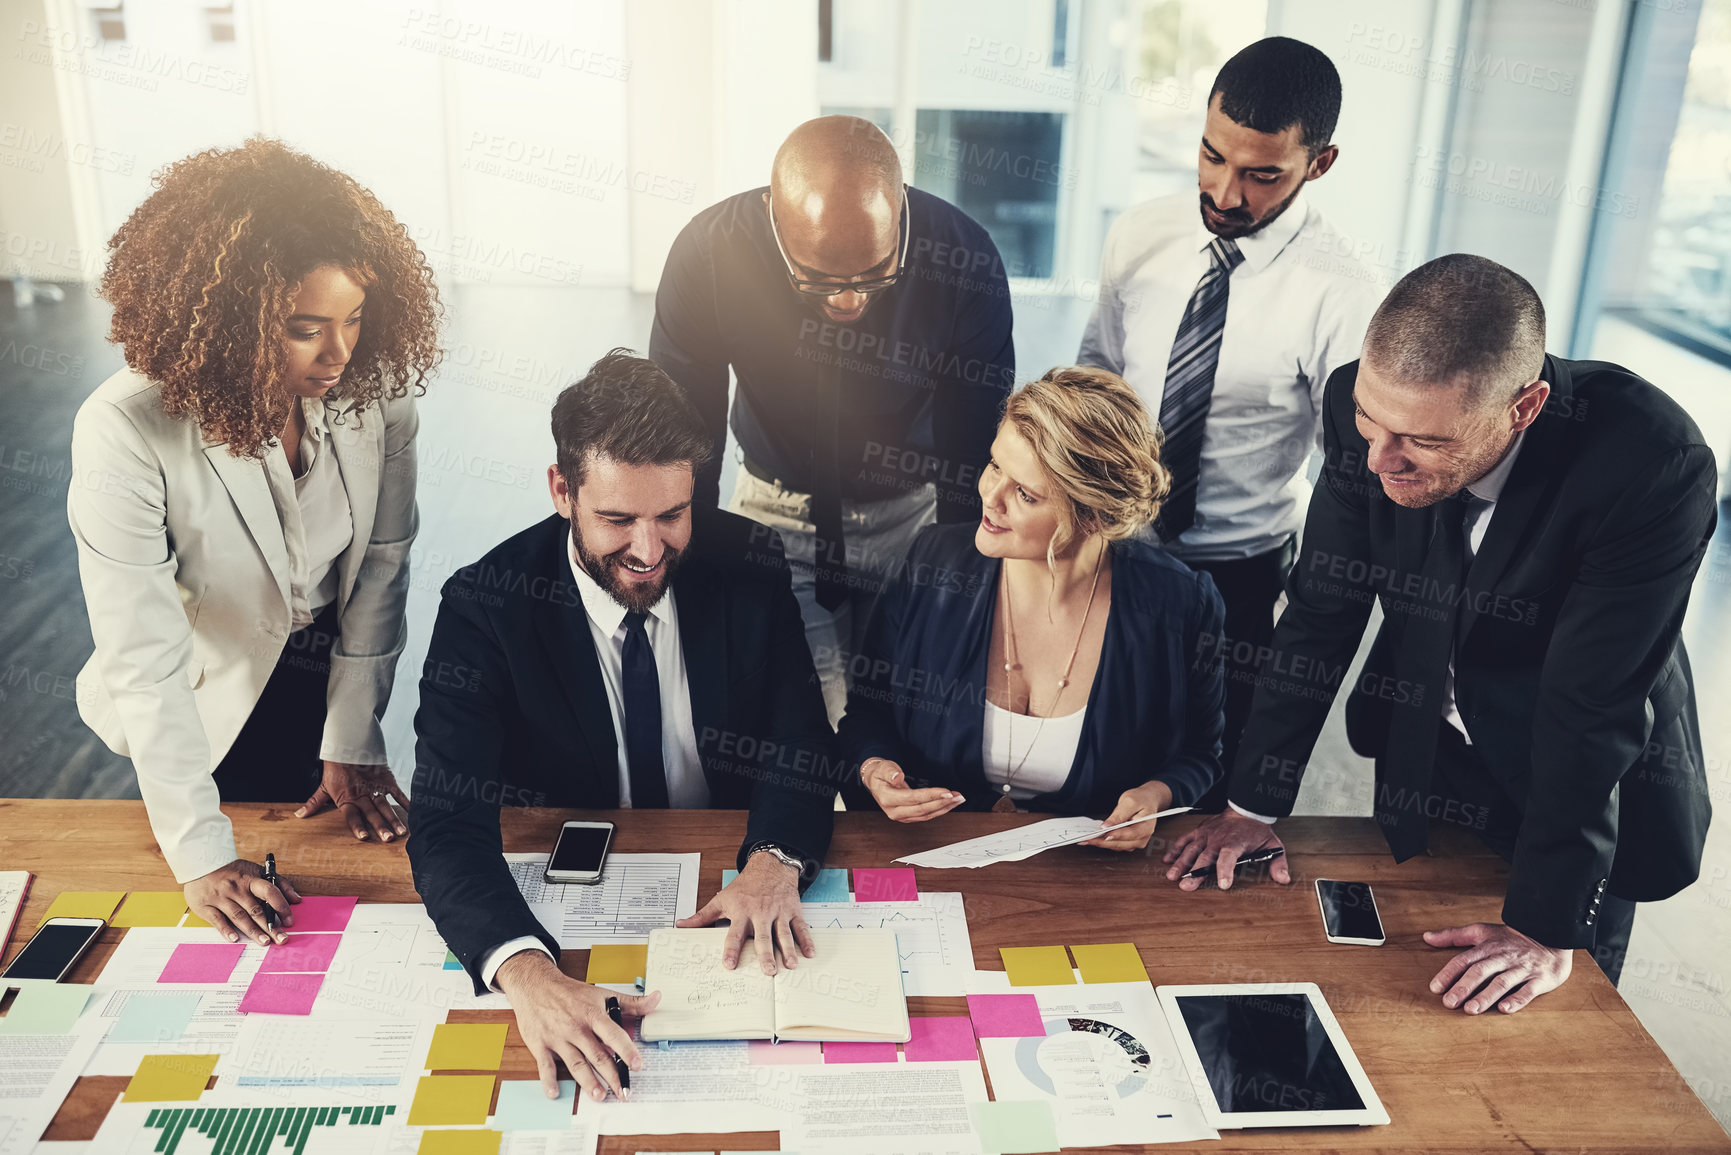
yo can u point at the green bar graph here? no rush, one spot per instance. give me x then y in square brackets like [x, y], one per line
[255, 1130]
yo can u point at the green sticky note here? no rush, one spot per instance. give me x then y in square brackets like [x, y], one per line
[482, 1142]
[467, 1047]
[451, 1100]
[1037, 966]
[43, 1008]
[1113, 962]
[170, 1078]
[150, 908]
[1015, 1128]
[617, 962]
[84, 904]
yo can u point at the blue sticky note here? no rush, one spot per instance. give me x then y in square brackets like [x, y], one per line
[829, 886]
[154, 1016]
[42, 1007]
[524, 1106]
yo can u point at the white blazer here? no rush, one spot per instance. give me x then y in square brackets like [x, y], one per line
[186, 578]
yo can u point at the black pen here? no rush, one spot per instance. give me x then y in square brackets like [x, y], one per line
[618, 1063]
[1259, 856]
[270, 877]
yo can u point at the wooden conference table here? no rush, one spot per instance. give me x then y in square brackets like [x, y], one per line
[1574, 1071]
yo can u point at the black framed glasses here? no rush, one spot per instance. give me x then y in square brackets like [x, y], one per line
[864, 288]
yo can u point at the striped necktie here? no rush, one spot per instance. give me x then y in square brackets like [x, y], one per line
[1190, 387]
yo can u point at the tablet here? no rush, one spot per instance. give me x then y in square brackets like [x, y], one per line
[1268, 1055]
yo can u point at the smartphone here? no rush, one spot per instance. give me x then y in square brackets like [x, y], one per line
[580, 855]
[1349, 912]
[54, 949]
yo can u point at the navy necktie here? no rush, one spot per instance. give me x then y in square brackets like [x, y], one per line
[642, 694]
[1190, 387]
[1427, 642]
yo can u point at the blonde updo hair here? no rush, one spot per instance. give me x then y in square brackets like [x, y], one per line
[1095, 441]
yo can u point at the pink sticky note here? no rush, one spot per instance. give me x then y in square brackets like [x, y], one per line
[302, 952]
[321, 912]
[859, 1052]
[277, 994]
[885, 884]
[765, 1054]
[1006, 1016]
[202, 962]
[942, 1039]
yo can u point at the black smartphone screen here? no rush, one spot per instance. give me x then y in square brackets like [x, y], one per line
[580, 849]
[1349, 909]
[50, 950]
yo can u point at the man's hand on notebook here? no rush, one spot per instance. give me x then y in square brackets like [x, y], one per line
[561, 1018]
[762, 903]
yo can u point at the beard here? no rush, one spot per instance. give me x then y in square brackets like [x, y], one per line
[1240, 223]
[638, 596]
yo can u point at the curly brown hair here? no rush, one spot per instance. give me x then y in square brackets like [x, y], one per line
[202, 277]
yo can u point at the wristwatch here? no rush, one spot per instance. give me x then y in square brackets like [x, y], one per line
[779, 854]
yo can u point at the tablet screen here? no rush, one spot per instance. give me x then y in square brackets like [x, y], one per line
[1267, 1052]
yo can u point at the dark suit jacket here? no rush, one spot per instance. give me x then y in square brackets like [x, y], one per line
[513, 712]
[1569, 670]
[918, 696]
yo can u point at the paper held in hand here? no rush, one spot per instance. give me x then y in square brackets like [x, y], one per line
[1024, 841]
[851, 990]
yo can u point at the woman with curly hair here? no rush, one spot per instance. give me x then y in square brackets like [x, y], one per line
[243, 498]
[1045, 659]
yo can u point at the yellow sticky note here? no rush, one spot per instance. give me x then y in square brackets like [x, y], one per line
[617, 964]
[483, 1142]
[170, 1078]
[193, 920]
[150, 908]
[467, 1047]
[1037, 966]
[451, 1100]
[84, 904]
[1112, 962]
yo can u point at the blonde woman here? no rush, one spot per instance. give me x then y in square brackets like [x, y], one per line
[1045, 659]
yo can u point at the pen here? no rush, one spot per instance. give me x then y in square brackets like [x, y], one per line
[270, 877]
[618, 1063]
[1248, 860]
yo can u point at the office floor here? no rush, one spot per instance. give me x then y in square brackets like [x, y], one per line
[483, 451]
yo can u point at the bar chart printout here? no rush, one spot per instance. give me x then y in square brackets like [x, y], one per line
[251, 1130]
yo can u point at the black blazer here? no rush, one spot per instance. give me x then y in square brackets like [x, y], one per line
[919, 697]
[514, 712]
[1570, 672]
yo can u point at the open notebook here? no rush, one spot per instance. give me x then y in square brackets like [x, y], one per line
[852, 990]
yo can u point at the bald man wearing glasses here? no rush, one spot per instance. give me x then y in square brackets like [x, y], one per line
[868, 325]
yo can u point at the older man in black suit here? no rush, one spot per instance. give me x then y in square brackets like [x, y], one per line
[1532, 527]
[628, 651]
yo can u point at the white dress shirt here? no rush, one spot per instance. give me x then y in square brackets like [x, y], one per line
[316, 520]
[1297, 308]
[1485, 492]
[687, 788]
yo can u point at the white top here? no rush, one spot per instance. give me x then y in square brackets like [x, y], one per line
[1048, 744]
[1297, 308]
[1485, 491]
[317, 523]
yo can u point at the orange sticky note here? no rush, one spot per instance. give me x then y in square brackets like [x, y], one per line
[621, 963]
[1037, 966]
[467, 1047]
[1112, 962]
[170, 1078]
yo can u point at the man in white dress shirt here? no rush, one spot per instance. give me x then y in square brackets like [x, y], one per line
[628, 651]
[1227, 316]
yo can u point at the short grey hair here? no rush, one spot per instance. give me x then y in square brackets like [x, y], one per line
[1460, 320]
